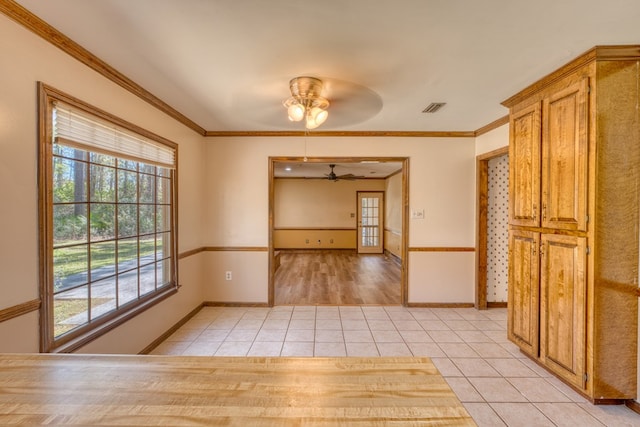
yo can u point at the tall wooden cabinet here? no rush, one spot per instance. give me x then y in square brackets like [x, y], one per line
[574, 221]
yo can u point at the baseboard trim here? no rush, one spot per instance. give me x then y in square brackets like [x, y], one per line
[148, 349]
[440, 304]
[393, 257]
[633, 405]
[496, 304]
[234, 304]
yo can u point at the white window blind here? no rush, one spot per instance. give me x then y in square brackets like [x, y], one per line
[76, 128]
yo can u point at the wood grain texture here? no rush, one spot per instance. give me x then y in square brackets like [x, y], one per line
[19, 310]
[36, 25]
[524, 166]
[563, 306]
[591, 120]
[524, 293]
[336, 278]
[137, 390]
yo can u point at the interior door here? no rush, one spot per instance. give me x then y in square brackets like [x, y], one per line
[370, 222]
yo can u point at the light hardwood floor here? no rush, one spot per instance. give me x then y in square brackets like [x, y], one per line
[336, 278]
[85, 390]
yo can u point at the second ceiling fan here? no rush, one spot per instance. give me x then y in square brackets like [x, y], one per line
[331, 176]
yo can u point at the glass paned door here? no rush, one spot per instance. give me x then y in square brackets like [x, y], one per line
[370, 222]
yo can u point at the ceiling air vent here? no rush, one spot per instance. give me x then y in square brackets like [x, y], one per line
[433, 107]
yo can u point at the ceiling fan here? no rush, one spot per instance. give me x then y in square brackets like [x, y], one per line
[331, 176]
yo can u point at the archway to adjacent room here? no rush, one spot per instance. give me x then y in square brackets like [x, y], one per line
[492, 192]
[348, 259]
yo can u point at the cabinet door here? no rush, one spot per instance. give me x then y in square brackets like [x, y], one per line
[523, 305]
[524, 169]
[564, 158]
[563, 306]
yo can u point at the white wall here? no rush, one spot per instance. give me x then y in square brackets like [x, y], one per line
[441, 181]
[28, 59]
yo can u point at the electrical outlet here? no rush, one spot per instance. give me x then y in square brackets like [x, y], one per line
[331, 241]
[307, 241]
[227, 275]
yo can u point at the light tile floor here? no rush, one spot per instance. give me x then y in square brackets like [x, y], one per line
[496, 383]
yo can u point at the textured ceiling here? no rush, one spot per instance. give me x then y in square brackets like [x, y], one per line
[226, 64]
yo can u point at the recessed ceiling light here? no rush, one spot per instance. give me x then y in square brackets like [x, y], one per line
[288, 168]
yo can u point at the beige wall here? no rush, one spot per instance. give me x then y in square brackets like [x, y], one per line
[319, 203]
[302, 207]
[28, 59]
[441, 182]
[393, 215]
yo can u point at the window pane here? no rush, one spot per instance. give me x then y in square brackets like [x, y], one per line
[70, 310]
[147, 279]
[102, 184]
[147, 249]
[103, 260]
[69, 181]
[103, 297]
[127, 287]
[127, 254]
[127, 164]
[147, 187]
[127, 187]
[70, 267]
[163, 246]
[163, 218]
[163, 272]
[71, 153]
[69, 224]
[164, 191]
[145, 168]
[147, 219]
[103, 224]
[127, 220]
[102, 159]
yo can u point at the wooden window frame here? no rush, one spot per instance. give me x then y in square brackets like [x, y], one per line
[80, 336]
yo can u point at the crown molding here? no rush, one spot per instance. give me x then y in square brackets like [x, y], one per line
[38, 26]
[33, 23]
[597, 53]
[493, 125]
[331, 133]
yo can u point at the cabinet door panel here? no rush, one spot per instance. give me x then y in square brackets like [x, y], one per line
[524, 170]
[563, 306]
[522, 320]
[564, 158]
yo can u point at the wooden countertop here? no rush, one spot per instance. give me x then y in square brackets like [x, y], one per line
[37, 389]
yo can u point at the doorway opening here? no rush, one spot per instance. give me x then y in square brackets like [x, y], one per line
[335, 256]
[492, 178]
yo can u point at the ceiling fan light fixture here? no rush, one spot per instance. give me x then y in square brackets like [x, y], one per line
[306, 102]
[316, 117]
[295, 112]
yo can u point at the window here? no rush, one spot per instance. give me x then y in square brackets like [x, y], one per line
[107, 214]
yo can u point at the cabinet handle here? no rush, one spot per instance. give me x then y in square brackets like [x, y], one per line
[533, 250]
[535, 208]
[544, 211]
